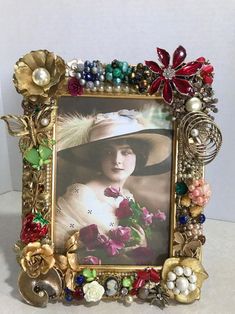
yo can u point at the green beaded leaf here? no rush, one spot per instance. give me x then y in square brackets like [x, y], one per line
[32, 156]
[45, 152]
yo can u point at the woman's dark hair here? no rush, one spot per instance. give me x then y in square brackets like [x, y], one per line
[140, 148]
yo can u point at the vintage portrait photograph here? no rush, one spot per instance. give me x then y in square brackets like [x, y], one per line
[113, 179]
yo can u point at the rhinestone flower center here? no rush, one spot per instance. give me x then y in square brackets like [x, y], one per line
[169, 73]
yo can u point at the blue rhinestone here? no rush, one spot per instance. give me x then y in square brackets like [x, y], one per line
[201, 218]
[183, 219]
[68, 297]
[80, 280]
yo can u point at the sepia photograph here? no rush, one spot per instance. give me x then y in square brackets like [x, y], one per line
[113, 180]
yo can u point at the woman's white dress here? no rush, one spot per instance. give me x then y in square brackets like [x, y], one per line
[80, 207]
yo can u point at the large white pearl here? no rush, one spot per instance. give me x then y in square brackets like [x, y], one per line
[178, 270]
[194, 132]
[41, 76]
[170, 285]
[44, 121]
[193, 104]
[182, 283]
[171, 276]
[187, 271]
[192, 278]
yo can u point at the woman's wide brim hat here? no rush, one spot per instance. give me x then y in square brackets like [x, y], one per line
[80, 139]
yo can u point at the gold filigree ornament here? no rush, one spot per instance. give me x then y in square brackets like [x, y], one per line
[183, 278]
[201, 139]
[38, 74]
[33, 129]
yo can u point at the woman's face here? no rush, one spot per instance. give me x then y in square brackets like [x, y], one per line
[118, 161]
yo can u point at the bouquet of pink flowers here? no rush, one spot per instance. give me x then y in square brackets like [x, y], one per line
[131, 216]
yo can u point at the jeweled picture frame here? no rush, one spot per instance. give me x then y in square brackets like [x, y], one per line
[90, 136]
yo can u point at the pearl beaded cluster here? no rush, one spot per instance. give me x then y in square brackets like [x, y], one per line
[95, 76]
[90, 74]
[199, 192]
[181, 280]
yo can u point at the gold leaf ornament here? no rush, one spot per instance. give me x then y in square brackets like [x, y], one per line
[38, 74]
[190, 264]
[185, 245]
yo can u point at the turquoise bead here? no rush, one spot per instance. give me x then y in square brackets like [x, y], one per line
[109, 76]
[124, 67]
[117, 81]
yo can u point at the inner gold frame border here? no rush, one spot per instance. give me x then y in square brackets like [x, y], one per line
[122, 268]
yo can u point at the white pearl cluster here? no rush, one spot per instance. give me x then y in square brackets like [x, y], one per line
[181, 280]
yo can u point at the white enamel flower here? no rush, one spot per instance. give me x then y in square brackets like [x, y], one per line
[93, 291]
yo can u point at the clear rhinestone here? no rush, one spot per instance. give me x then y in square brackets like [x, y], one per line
[169, 73]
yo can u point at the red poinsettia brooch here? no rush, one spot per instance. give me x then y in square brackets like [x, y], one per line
[172, 76]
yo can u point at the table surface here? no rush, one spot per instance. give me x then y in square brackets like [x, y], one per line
[218, 292]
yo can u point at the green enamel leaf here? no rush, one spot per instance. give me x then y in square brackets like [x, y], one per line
[94, 273]
[40, 219]
[32, 156]
[87, 273]
[90, 279]
[126, 282]
[45, 152]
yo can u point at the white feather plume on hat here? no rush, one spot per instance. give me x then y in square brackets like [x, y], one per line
[72, 130]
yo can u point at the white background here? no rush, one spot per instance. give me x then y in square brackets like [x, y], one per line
[127, 30]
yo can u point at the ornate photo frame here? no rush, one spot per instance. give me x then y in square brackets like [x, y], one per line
[181, 95]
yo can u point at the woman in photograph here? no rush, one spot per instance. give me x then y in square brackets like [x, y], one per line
[112, 146]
